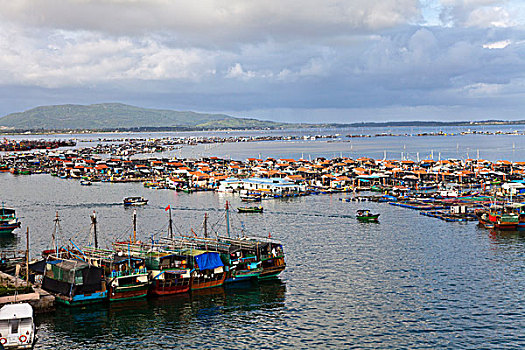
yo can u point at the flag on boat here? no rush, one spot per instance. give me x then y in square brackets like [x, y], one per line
[167, 208]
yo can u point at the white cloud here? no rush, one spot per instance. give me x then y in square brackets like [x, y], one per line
[497, 44]
[482, 89]
[211, 21]
[490, 17]
[85, 58]
[482, 13]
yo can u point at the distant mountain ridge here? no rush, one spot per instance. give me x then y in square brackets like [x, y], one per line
[111, 116]
[118, 116]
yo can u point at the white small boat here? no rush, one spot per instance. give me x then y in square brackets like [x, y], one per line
[17, 329]
[135, 201]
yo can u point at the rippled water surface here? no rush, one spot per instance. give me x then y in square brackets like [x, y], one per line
[408, 282]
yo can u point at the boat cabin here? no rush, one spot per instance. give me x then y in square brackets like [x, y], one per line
[135, 201]
[17, 329]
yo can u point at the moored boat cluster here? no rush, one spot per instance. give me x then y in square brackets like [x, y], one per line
[133, 269]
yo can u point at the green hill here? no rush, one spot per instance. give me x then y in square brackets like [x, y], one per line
[111, 116]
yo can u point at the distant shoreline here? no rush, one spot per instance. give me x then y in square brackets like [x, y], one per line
[283, 128]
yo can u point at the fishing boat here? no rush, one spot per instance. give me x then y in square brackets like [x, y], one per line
[74, 282]
[128, 201]
[250, 209]
[128, 279]
[271, 255]
[85, 182]
[365, 215]
[168, 273]
[208, 269]
[250, 197]
[243, 263]
[8, 220]
[17, 328]
[126, 276]
[501, 217]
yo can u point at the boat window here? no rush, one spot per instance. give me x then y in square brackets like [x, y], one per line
[4, 325]
[14, 326]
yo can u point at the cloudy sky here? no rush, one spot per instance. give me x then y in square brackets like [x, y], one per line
[308, 60]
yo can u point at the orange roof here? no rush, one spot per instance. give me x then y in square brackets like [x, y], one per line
[199, 174]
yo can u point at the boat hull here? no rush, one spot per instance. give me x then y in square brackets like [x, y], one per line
[160, 287]
[128, 292]
[82, 299]
[272, 268]
[200, 282]
[9, 228]
[371, 218]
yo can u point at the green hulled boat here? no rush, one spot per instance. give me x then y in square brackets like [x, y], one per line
[364, 215]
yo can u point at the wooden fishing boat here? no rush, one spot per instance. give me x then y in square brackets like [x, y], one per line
[128, 279]
[243, 269]
[85, 182]
[271, 255]
[135, 201]
[501, 219]
[250, 209]
[8, 220]
[483, 219]
[74, 282]
[364, 215]
[208, 269]
[168, 273]
[250, 197]
[126, 276]
[17, 328]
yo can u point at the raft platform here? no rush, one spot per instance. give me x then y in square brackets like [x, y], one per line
[450, 217]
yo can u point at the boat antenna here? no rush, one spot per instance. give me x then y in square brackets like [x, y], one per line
[94, 225]
[228, 218]
[134, 225]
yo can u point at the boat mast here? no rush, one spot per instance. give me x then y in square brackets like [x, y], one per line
[27, 257]
[55, 232]
[134, 225]
[170, 225]
[228, 218]
[94, 224]
[205, 224]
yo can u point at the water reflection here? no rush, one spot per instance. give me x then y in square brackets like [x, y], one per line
[506, 237]
[178, 314]
[9, 241]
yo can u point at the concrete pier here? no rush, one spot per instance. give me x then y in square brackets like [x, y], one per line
[40, 300]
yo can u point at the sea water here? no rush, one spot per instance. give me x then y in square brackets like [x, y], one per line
[409, 281]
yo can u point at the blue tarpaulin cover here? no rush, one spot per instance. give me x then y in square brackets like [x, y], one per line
[208, 261]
